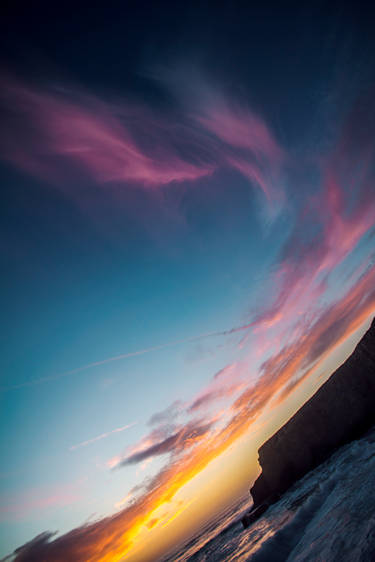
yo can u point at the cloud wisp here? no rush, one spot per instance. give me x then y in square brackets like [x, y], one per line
[28, 502]
[61, 134]
[124, 356]
[101, 436]
[181, 440]
[50, 128]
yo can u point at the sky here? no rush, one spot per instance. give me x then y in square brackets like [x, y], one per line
[187, 249]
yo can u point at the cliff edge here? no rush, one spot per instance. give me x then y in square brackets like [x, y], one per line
[341, 410]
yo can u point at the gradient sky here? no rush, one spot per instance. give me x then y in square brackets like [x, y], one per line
[188, 227]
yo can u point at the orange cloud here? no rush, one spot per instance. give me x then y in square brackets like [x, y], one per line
[112, 538]
[150, 524]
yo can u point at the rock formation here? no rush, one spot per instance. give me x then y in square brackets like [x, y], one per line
[341, 410]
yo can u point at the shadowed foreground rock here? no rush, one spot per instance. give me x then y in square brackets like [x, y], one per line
[341, 410]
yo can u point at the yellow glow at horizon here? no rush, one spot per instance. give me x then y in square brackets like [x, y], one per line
[206, 486]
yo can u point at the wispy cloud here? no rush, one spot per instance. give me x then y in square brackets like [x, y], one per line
[330, 226]
[101, 436]
[248, 144]
[48, 128]
[124, 356]
[24, 504]
[63, 133]
[224, 385]
[181, 440]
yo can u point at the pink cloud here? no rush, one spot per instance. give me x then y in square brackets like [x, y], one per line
[302, 276]
[62, 135]
[258, 156]
[49, 128]
[176, 428]
[173, 436]
[23, 505]
[224, 384]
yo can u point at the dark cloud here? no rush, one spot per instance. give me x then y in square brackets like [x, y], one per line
[205, 399]
[183, 439]
[168, 415]
[32, 550]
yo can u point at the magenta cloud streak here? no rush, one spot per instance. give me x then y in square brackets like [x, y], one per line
[250, 147]
[56, 127]
[344, 212]
[59, 135]
[36, 499]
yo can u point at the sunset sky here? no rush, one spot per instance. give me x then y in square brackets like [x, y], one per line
[188, 250]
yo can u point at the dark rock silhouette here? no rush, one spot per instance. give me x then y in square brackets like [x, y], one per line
[341, 410]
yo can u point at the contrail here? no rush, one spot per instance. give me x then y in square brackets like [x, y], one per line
[126, 356]
[102, 436]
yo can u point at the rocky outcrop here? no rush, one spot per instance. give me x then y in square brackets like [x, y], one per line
[341, 410]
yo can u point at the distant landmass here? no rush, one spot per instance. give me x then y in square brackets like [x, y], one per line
[341, 410]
